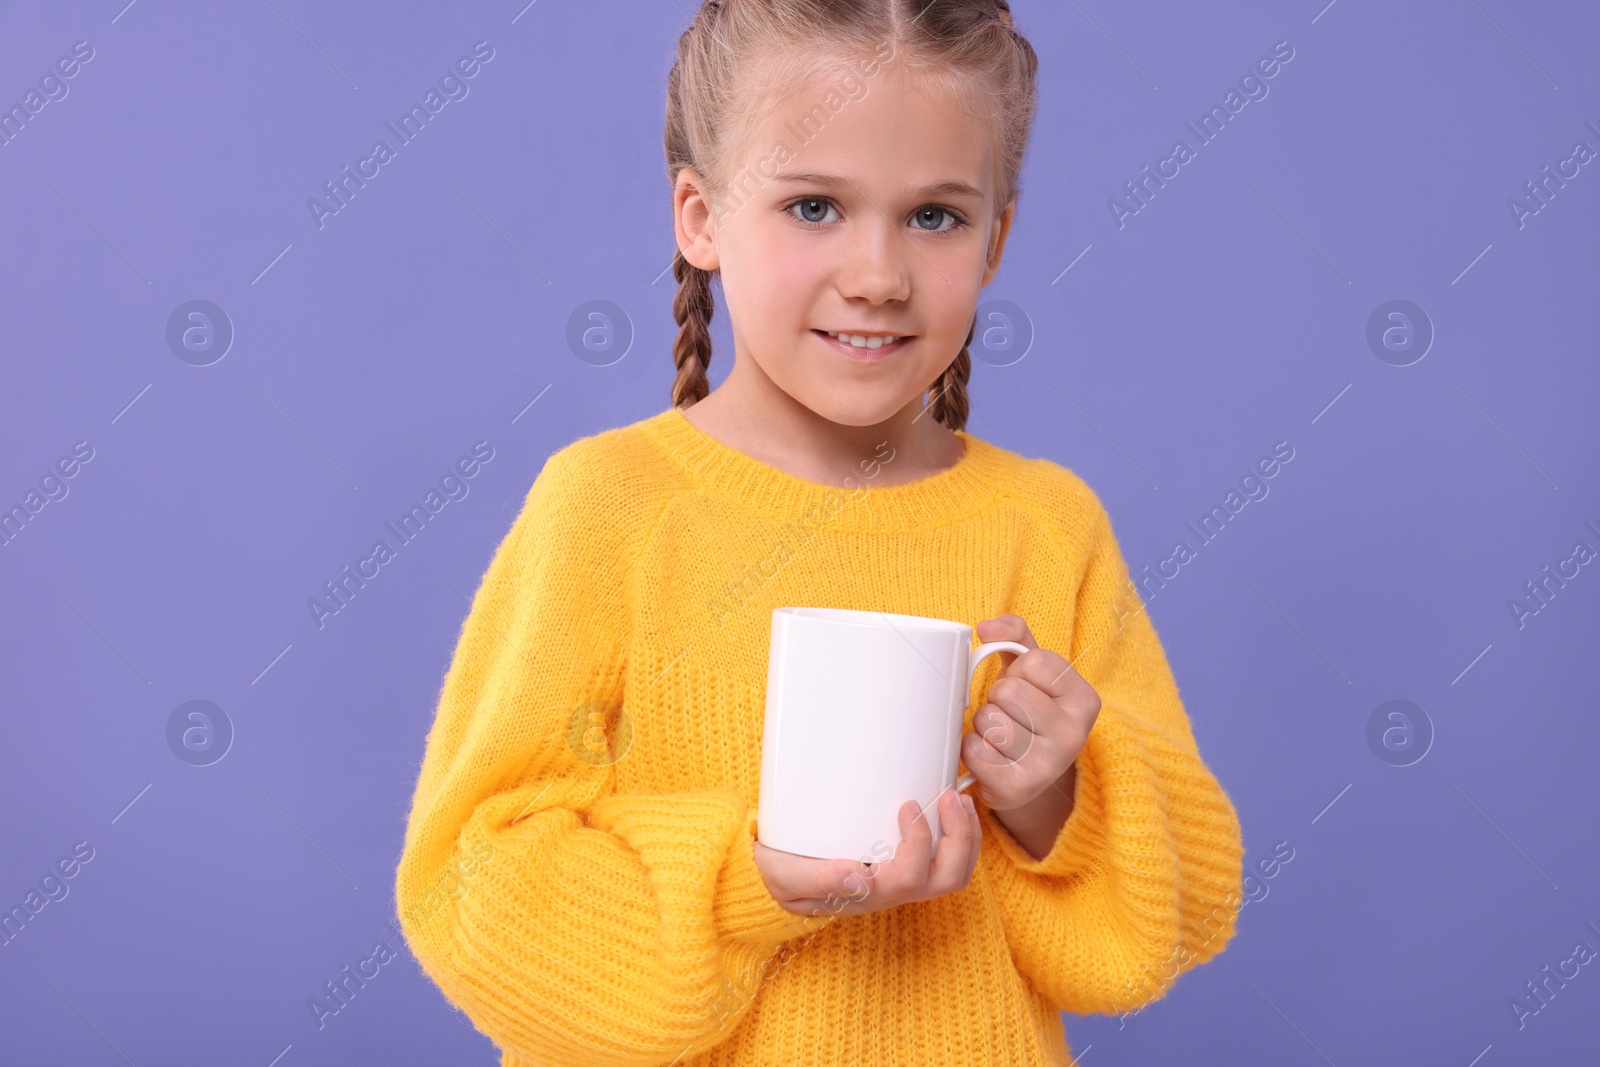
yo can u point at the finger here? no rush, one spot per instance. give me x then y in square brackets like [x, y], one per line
[977, 841]
[831, 905]
[1009, 628]
[908, 870]
[807, 878]
[1057, 704]
[995, 772]
[955, 846]
[1057, 676]
[1009, 727]
[854, 888]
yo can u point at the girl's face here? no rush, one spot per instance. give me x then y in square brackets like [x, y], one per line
[876, 219]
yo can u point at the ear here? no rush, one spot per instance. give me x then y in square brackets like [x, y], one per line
[997, 242]
[693, 221]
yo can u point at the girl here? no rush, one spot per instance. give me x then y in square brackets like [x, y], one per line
[580, 871]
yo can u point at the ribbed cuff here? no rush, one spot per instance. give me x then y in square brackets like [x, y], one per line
[745, 908]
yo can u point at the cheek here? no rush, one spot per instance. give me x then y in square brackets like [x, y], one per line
[792, 282]
[948, 310]
[767, 288]
[952, 272]
[933, 359]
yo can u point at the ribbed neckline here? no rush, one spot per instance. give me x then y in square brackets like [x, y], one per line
[982, 472]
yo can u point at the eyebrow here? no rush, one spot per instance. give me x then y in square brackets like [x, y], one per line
[944, 188]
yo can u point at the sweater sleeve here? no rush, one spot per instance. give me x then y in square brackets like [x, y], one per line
[1143, 881]
[572, 924]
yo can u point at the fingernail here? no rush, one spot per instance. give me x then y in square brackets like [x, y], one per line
[966, 802]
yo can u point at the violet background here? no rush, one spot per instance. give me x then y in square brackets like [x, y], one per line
[433, 311]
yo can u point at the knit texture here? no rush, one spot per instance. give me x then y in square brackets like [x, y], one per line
[578, 874]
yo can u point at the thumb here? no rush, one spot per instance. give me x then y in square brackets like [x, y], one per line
[848, 878]
[1007, 628]
[805, 877]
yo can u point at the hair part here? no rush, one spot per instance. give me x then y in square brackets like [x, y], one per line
[966, 49]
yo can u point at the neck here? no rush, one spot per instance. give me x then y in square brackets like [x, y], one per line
[750, 413]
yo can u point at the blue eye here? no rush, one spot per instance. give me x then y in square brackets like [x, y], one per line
[956, 222]
[819, 206]
[810, 202]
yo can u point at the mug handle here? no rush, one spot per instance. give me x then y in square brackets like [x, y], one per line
[979, 654]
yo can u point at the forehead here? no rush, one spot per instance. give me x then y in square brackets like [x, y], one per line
[895, 132]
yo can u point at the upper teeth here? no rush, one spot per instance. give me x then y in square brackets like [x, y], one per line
[860, 341]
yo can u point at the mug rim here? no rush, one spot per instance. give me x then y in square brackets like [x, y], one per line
[873, 619]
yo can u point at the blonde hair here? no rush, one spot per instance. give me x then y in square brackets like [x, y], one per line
[966, 48]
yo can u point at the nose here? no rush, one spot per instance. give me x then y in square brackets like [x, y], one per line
[876, 266]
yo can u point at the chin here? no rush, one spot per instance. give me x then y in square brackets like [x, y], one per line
[853, 406]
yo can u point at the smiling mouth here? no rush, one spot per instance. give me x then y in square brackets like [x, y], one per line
[865, 346]
[864, 340]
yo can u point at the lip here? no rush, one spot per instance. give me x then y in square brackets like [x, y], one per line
[863, 355]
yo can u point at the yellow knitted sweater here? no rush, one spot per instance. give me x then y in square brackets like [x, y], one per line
[578, 874]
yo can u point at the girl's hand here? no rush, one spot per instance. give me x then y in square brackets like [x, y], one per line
[918, 870]
[1026, 739]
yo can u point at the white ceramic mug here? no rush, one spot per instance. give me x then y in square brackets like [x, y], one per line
[863, 712]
